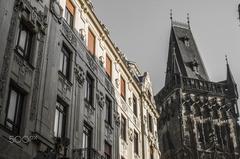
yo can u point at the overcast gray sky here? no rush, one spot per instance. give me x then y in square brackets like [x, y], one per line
[141, 29]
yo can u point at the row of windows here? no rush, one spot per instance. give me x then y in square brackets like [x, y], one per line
[124, 134]
[69, 16]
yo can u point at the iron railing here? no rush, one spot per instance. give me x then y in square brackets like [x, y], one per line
[87, 153]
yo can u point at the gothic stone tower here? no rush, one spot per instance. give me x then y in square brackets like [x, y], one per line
[198, 117]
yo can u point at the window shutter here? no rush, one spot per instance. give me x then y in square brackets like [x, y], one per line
[91, 42]
[70, 7]
[108, 66]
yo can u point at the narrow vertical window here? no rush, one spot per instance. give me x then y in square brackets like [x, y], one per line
[135, 142]
[109, 67]
[89, 90]
[135, 109]
[123, 128]
[108, 116]
[14, 108]
[86, 140]
[151, 153]
[91, 42]
[123, 88]
[60, 120]
[150, 123]
[108, 151]
[69, 13]
[64, 65]
[24, 42]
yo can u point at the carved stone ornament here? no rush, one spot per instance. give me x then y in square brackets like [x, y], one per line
[80, 75]
[130, 101]
[56, 9]
[100, 98]
[117, 119]
[117, 82]
[117, 68]
[130, 134]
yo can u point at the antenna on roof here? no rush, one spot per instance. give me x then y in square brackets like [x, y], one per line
[188, 20]
[171, 16]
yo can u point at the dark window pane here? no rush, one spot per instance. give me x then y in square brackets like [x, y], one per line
[14, 107]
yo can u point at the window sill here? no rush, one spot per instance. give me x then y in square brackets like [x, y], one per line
[66, 79]
[17, 53]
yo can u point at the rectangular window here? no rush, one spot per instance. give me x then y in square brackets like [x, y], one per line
[69, 13]
[91, 42]
[64, 65]
[14, 108]
[135, 109]
[86, 141]
[24, 42]
[109, 67]
[60, 120]
[150, 123]
[123, 88]
[89, 89]
[108, 116]
[123, 128]
[135, 142]
[108, 151]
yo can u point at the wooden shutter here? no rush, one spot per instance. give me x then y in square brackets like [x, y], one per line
[109, 66]
[123, 89]
[91, 42]
[70, 7]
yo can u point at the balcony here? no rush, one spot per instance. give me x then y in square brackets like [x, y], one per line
[191, 84]
[87, 153]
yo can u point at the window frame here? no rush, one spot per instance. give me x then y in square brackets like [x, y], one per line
[28, 43]
[135, 106]
[65, 54]
[89, 97]
[108, 114]
[135, 142]
[109, 72]
[69, 15]
[150, 122]
[91, 50]
[63, 112]
[123, 128]
[123, 88]
[19, 105]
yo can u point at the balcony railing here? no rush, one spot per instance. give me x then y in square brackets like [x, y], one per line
[87, 153]
[187, 83]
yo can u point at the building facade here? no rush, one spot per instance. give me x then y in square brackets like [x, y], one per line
[202, 113]
[66, 90]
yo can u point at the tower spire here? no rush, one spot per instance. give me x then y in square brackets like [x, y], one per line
[231, 84]
[171, 16]
[188, 20]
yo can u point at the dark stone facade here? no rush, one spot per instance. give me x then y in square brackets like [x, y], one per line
[198, 117]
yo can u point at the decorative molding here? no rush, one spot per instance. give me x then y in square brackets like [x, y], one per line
[80, 75]
[100, 98]
[56, 9]
[130, 134]
[69, 33]
[117, 119]
[117, 82]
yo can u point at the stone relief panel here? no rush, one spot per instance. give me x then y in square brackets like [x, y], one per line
[100, 98]
[80, 74]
